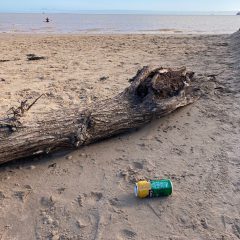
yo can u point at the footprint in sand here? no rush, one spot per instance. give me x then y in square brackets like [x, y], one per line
[21, 195]
[138, 165]
[47, 201]
[127, 234]
[83, 222]
[89, 199]
[133, 173]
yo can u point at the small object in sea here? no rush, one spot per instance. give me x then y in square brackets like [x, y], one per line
[47, 20]
[238, 13]
[153, 188]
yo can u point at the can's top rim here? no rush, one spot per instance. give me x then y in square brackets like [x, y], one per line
[136, 190]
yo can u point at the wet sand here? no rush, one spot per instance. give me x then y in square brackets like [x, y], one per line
[88, 193]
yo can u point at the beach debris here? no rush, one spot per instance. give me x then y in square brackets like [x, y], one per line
[103, 78]
[153, 92]
[34, 57]
[4, 60]
[153, 188]
[2, 80]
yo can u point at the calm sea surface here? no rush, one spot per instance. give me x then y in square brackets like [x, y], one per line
[117, 23]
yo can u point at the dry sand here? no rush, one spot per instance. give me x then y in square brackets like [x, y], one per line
[88, 193]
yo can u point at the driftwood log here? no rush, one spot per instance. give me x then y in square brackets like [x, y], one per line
[152, 93]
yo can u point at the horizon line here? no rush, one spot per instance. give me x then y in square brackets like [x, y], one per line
[114, 10]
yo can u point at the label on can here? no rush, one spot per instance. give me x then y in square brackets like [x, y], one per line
[161, 187]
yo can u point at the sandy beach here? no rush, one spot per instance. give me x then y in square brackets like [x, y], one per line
[88, 193]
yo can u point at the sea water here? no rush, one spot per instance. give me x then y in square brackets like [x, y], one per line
[115, 23]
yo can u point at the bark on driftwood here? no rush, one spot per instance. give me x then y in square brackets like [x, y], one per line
[152, 93]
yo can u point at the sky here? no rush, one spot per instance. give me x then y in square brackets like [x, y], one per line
[140, 5]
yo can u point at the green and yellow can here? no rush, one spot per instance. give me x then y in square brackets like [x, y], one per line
[153, 188]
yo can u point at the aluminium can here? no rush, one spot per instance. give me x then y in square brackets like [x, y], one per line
[153, 188]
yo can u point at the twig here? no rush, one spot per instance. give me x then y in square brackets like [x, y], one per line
[34, 102]
[13, 122]
[24, 107]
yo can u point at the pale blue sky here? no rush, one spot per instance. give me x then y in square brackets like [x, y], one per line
[142, 5]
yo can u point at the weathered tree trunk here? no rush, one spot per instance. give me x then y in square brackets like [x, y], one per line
[152, 93]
